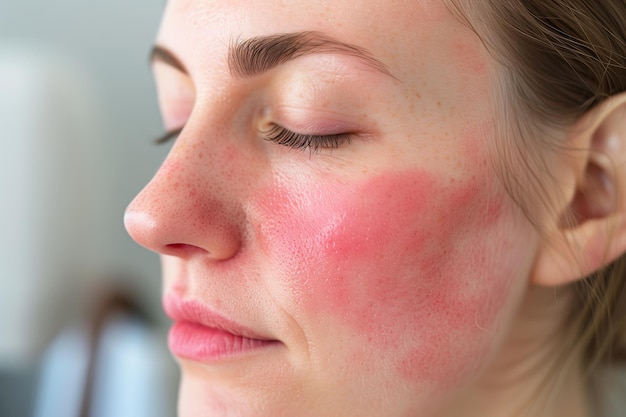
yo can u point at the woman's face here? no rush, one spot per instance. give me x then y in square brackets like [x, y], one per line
[366, 265]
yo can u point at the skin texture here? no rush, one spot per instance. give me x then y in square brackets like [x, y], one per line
[390, 268]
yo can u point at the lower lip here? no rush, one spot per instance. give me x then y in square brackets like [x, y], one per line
[194, 341]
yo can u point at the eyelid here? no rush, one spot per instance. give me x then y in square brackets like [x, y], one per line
[285, 137]
[167, 136]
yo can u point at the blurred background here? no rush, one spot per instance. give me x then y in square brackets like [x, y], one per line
[81, 328]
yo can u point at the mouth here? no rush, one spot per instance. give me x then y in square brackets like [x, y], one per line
[200, 334]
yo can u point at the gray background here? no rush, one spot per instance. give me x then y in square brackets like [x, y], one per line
[110, 41]
[73, 182]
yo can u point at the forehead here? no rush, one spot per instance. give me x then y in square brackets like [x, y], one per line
[401, 34]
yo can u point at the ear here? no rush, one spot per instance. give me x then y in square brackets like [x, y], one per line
[591, 229]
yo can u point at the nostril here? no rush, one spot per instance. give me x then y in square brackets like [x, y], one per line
[182, 250]
[178, 246]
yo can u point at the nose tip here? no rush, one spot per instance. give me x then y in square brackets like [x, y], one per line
[170, 222]
[139, 225]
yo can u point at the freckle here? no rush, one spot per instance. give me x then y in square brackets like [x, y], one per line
[418, 95]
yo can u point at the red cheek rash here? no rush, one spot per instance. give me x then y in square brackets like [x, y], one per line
[404, 259]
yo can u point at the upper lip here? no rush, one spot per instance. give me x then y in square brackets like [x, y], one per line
[179, 309]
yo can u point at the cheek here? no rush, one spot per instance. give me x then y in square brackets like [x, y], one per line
[414, 266]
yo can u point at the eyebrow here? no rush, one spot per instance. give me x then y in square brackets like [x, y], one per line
[162, 54]
[260, 54]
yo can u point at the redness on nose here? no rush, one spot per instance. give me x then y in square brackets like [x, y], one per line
[403, 259]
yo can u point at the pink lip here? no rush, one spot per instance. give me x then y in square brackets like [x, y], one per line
[201, 334]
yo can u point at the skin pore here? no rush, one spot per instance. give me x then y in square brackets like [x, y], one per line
[389, 262]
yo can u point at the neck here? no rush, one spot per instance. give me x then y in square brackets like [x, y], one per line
[534, 374]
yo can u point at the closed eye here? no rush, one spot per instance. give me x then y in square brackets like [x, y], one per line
[284, 137]
[314, 143]
[167, 136]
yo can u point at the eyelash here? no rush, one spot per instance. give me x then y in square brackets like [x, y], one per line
[167, 136]
[314, 143]
[284, 137]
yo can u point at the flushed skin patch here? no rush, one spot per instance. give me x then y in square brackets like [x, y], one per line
[411, 262]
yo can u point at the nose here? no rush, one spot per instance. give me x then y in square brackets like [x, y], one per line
[188, 207]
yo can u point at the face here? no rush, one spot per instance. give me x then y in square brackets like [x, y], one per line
[334, 239]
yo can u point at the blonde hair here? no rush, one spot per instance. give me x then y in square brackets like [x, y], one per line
[559, 59]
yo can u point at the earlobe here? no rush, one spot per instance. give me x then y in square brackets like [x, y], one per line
[580, 251]
[591, 230]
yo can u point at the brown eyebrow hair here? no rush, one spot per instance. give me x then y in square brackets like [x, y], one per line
[260, 54]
